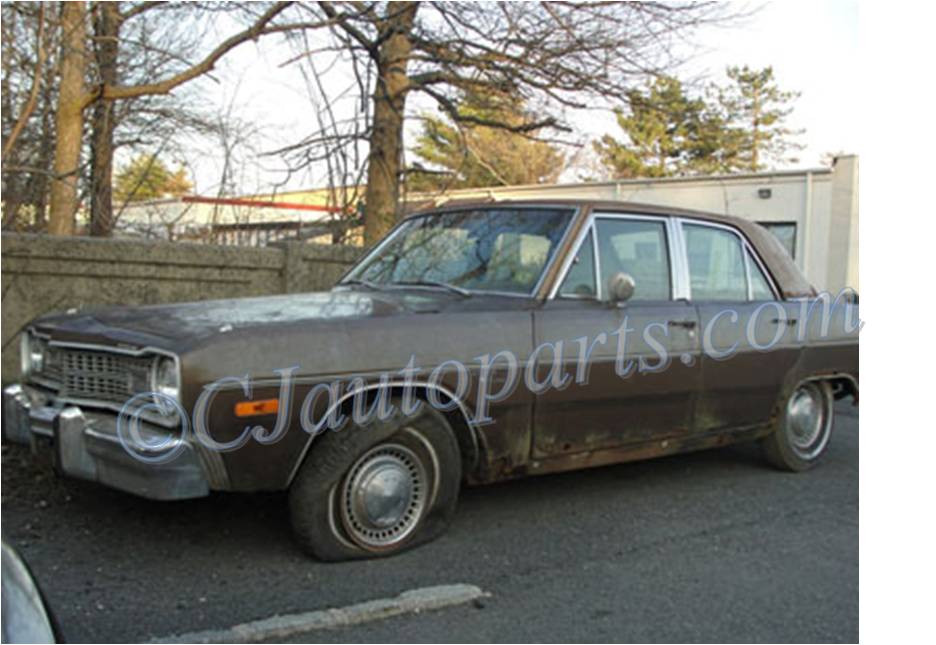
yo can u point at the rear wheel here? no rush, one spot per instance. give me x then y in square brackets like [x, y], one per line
[377, 489]
[803, 428]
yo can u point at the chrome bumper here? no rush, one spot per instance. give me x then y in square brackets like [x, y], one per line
[85, 445]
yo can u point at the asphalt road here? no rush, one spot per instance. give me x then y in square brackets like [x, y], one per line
[713, 546]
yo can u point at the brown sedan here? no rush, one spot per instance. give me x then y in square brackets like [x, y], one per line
[475, 343]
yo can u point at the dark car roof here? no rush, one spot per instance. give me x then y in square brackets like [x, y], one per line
[788, 277]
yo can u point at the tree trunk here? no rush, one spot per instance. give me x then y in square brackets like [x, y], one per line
[107, 35]
[755, 131]
[386, 140]
[68, 121]
[39, 183]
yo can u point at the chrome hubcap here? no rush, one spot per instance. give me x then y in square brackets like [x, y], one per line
[383, 496]
[807, 420]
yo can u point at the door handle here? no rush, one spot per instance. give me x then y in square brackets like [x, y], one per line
[789, 321]
[685, 324]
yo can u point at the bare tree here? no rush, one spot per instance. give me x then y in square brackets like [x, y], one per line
[69, 120]
[107, 23]
[30, 104]
[30, 38]
[554, 55]
[74, 97]
[339, 145]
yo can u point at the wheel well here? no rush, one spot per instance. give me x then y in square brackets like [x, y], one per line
[469, 444]
[843, 385]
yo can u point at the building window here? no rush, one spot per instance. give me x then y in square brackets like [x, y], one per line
[785, 232]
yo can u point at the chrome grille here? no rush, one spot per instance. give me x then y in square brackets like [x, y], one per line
[97, 376]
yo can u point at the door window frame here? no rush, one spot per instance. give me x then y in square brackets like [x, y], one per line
[747, 252]
[677, 270]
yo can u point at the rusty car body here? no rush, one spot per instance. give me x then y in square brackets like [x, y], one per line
[479, 282]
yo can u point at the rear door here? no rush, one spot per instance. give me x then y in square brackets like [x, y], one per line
[624, 373]
[747, 331]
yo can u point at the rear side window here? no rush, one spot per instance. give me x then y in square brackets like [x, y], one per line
[760, 287]
[637, 247]
[716, 264]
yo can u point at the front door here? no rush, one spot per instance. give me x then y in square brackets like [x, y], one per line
[628, 372]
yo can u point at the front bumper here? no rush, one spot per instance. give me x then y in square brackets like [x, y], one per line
[86, 445]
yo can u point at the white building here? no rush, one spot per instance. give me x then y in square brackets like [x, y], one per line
[814, 212]
[255, 220]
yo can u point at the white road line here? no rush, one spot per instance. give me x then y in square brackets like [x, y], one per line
[281, 627]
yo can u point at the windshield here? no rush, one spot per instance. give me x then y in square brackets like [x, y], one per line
[490, 249]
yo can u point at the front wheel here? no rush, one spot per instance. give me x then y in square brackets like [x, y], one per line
[803, 428]
[378, 489]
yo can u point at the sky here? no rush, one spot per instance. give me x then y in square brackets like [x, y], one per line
[812, 46]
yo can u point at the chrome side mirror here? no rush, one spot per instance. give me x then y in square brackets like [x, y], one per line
[621, 287]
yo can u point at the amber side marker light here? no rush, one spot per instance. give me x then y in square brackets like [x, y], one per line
[256, 408]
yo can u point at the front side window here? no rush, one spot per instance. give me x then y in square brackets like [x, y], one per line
[485, 249]
[716, 264]
[639, 248]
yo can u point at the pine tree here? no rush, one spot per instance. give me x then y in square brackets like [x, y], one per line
[147, 177]
[756, 110]
[737, 127]
[667, 133]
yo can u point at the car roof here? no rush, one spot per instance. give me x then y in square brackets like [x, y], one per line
[424, 208]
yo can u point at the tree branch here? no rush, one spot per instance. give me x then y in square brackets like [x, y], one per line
[350, 29]
[138, 9]
[205, 66]
[34, 91]
[452, 110]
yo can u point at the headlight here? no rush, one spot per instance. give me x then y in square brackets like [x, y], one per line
[32, 354]
[166, 377]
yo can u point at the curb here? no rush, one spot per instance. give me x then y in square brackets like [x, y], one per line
[281, 627]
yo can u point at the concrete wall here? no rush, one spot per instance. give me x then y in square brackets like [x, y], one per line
[43, 273]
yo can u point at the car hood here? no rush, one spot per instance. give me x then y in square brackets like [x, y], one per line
[170, 325]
